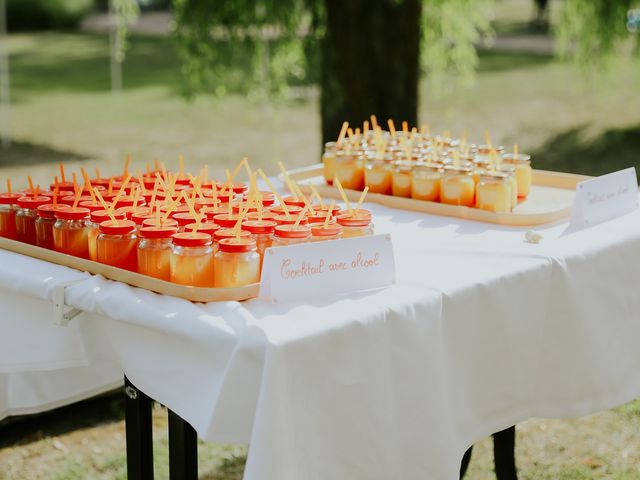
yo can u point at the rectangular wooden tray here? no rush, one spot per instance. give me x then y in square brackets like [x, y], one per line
[550, 199]
[194, 294]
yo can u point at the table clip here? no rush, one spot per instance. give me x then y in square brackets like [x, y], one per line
[61, 315]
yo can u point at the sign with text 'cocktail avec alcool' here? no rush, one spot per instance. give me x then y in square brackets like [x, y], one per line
[319, 269]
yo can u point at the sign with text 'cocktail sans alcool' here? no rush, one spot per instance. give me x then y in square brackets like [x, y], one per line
[318, 269]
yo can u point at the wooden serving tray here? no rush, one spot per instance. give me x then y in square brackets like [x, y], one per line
[194, 294]
[550, 199]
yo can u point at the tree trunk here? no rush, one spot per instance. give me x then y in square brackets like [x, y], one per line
[370, 63]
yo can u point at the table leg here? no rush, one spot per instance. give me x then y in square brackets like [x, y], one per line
[139, 433]
[183, 449]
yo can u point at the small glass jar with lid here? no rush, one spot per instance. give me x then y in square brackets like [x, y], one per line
[510, 170]
[192, 260]
[205, 227]
[378, 175]
[425, 182]
[320, 232]
[457, 186]
[8, 210]
[356, 224]
[488, 153]
[401, 183]
[349, 170]
[223, 233]
[262, 232]
[93, 229]
[70, 232]
[26, 217]
[291, 235]
[44, 224]
[154, 251]
[524, 173]
[493, 192]
[237, 263]
[117, 244]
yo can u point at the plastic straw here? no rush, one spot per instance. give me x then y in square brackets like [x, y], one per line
[343, 132]
[364, 194]
[329, 212]
[61, 166]
[392, 127]
[8, 185]
[343, 195]
[104, 205]
[300, 217]
[31, 189]
[275, 192]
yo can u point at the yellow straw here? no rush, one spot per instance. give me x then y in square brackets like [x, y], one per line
[31, 189]
[343, 195]
[152, 204]
[171, 208]
[405, 126]
[114, 202]
[141, 182]
[136, 197]
[515, 151]
[329, 212]
[181, 164]
[343, 131]
[300, 216]
[87, 183]
[125, 171]
[374, 122]
[275, 192]
[8, 185]
[315, 192]
[62, 173]
[104, 205]
[392, 127]
[287, 180]
[487, 138]
[365, 127]
[364, 194]
[97, 173]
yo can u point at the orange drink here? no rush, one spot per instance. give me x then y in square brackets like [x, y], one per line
[457, 186]
[329, 161]
[154, 251]
[425, 182]
[401, 180]
[524, 173]
[44, 224]
[191, 260]
[349, 169]
[493, 192]
[357, 224]
[319, 232]
[510, 170]
[93, 225]
[117, 244]
[26, 216]
[262, 233]
[378, 175]
[237, 263]
[8, 209]
[70, 232]
[289, 234]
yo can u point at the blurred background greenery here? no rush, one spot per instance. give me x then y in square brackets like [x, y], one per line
[220, 79]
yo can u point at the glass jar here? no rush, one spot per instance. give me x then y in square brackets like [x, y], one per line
[93, 230]
[319, 233]
[70, 232]
[117, 244]
[357, 224]
[262, 233]
[401, 184]
[378, 175]
[329, 161]
[457, 186]
[44, 224]
[349, 170]
[425, 182]
[237, 263]
[524, 173]
[8, 209]
[493, 192]
[225, 220]
[510, 170]
[192, 260]
[223, 233]
[183, 219]
[488, 153]
[154, 251]
[26, 216]
[291, 235]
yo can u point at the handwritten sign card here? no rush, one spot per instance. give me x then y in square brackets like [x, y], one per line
[311, 270]
[605, 197]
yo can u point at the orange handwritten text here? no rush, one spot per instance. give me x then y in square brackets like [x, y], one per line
[305, 269]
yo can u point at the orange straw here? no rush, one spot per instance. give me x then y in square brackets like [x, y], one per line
[62, 173]
[8, 185]
[104, 205]
[31, 189]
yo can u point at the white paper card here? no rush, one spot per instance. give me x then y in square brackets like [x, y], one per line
[310, 270]
[605, 197]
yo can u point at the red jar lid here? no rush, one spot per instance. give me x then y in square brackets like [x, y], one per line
[70, 199]
[290, 231]
[178, 209]
[141, 216]
[266, 215]
[103, 182]
[62, 186]
[236, 206]
[225, 220]
[331, 230]
[9, 198]
[323, 208]
[283, 220]
[362, 219]
[148, 182]
[49, 210]
[51, 194]
[201, 203]
[228, 233]
[236, 187]
[211, 212]
[293, 210]
[158, 232]
[70, 213]
[128, 201]
[120, 227]
[151, 222]
[319, 217]
[192, 239]
[259, 227]
[183, 181]
[268, 198]
[129, 211]
[91, 205]
[205, 227]
[127, 188]
[237, 245]
[225, 198]
[183, 218]
[98, 216]
[294, 202]
[32, 202]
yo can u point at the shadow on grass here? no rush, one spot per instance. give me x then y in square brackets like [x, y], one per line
[231, 469]
[499, 61]
[576, 152]
[25, 429]
[27, 153]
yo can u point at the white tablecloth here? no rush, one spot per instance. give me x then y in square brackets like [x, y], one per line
[481, 331]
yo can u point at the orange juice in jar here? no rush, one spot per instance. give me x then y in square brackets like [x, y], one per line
[192, 260]
[70, 232]
[26, 216]
[493, 192]
[93, 230]
[154, 251]
[457, 186]
[328, 161]
[237, 263]
[117, 244]
[320, 232]
[425, 182]
[44, 224]
[510, 171]
[401, 184]
[262, 233]
[290, 234]
[378, 175]
[8, 209]
[524, 173]
[349, 170]
[356, 224]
